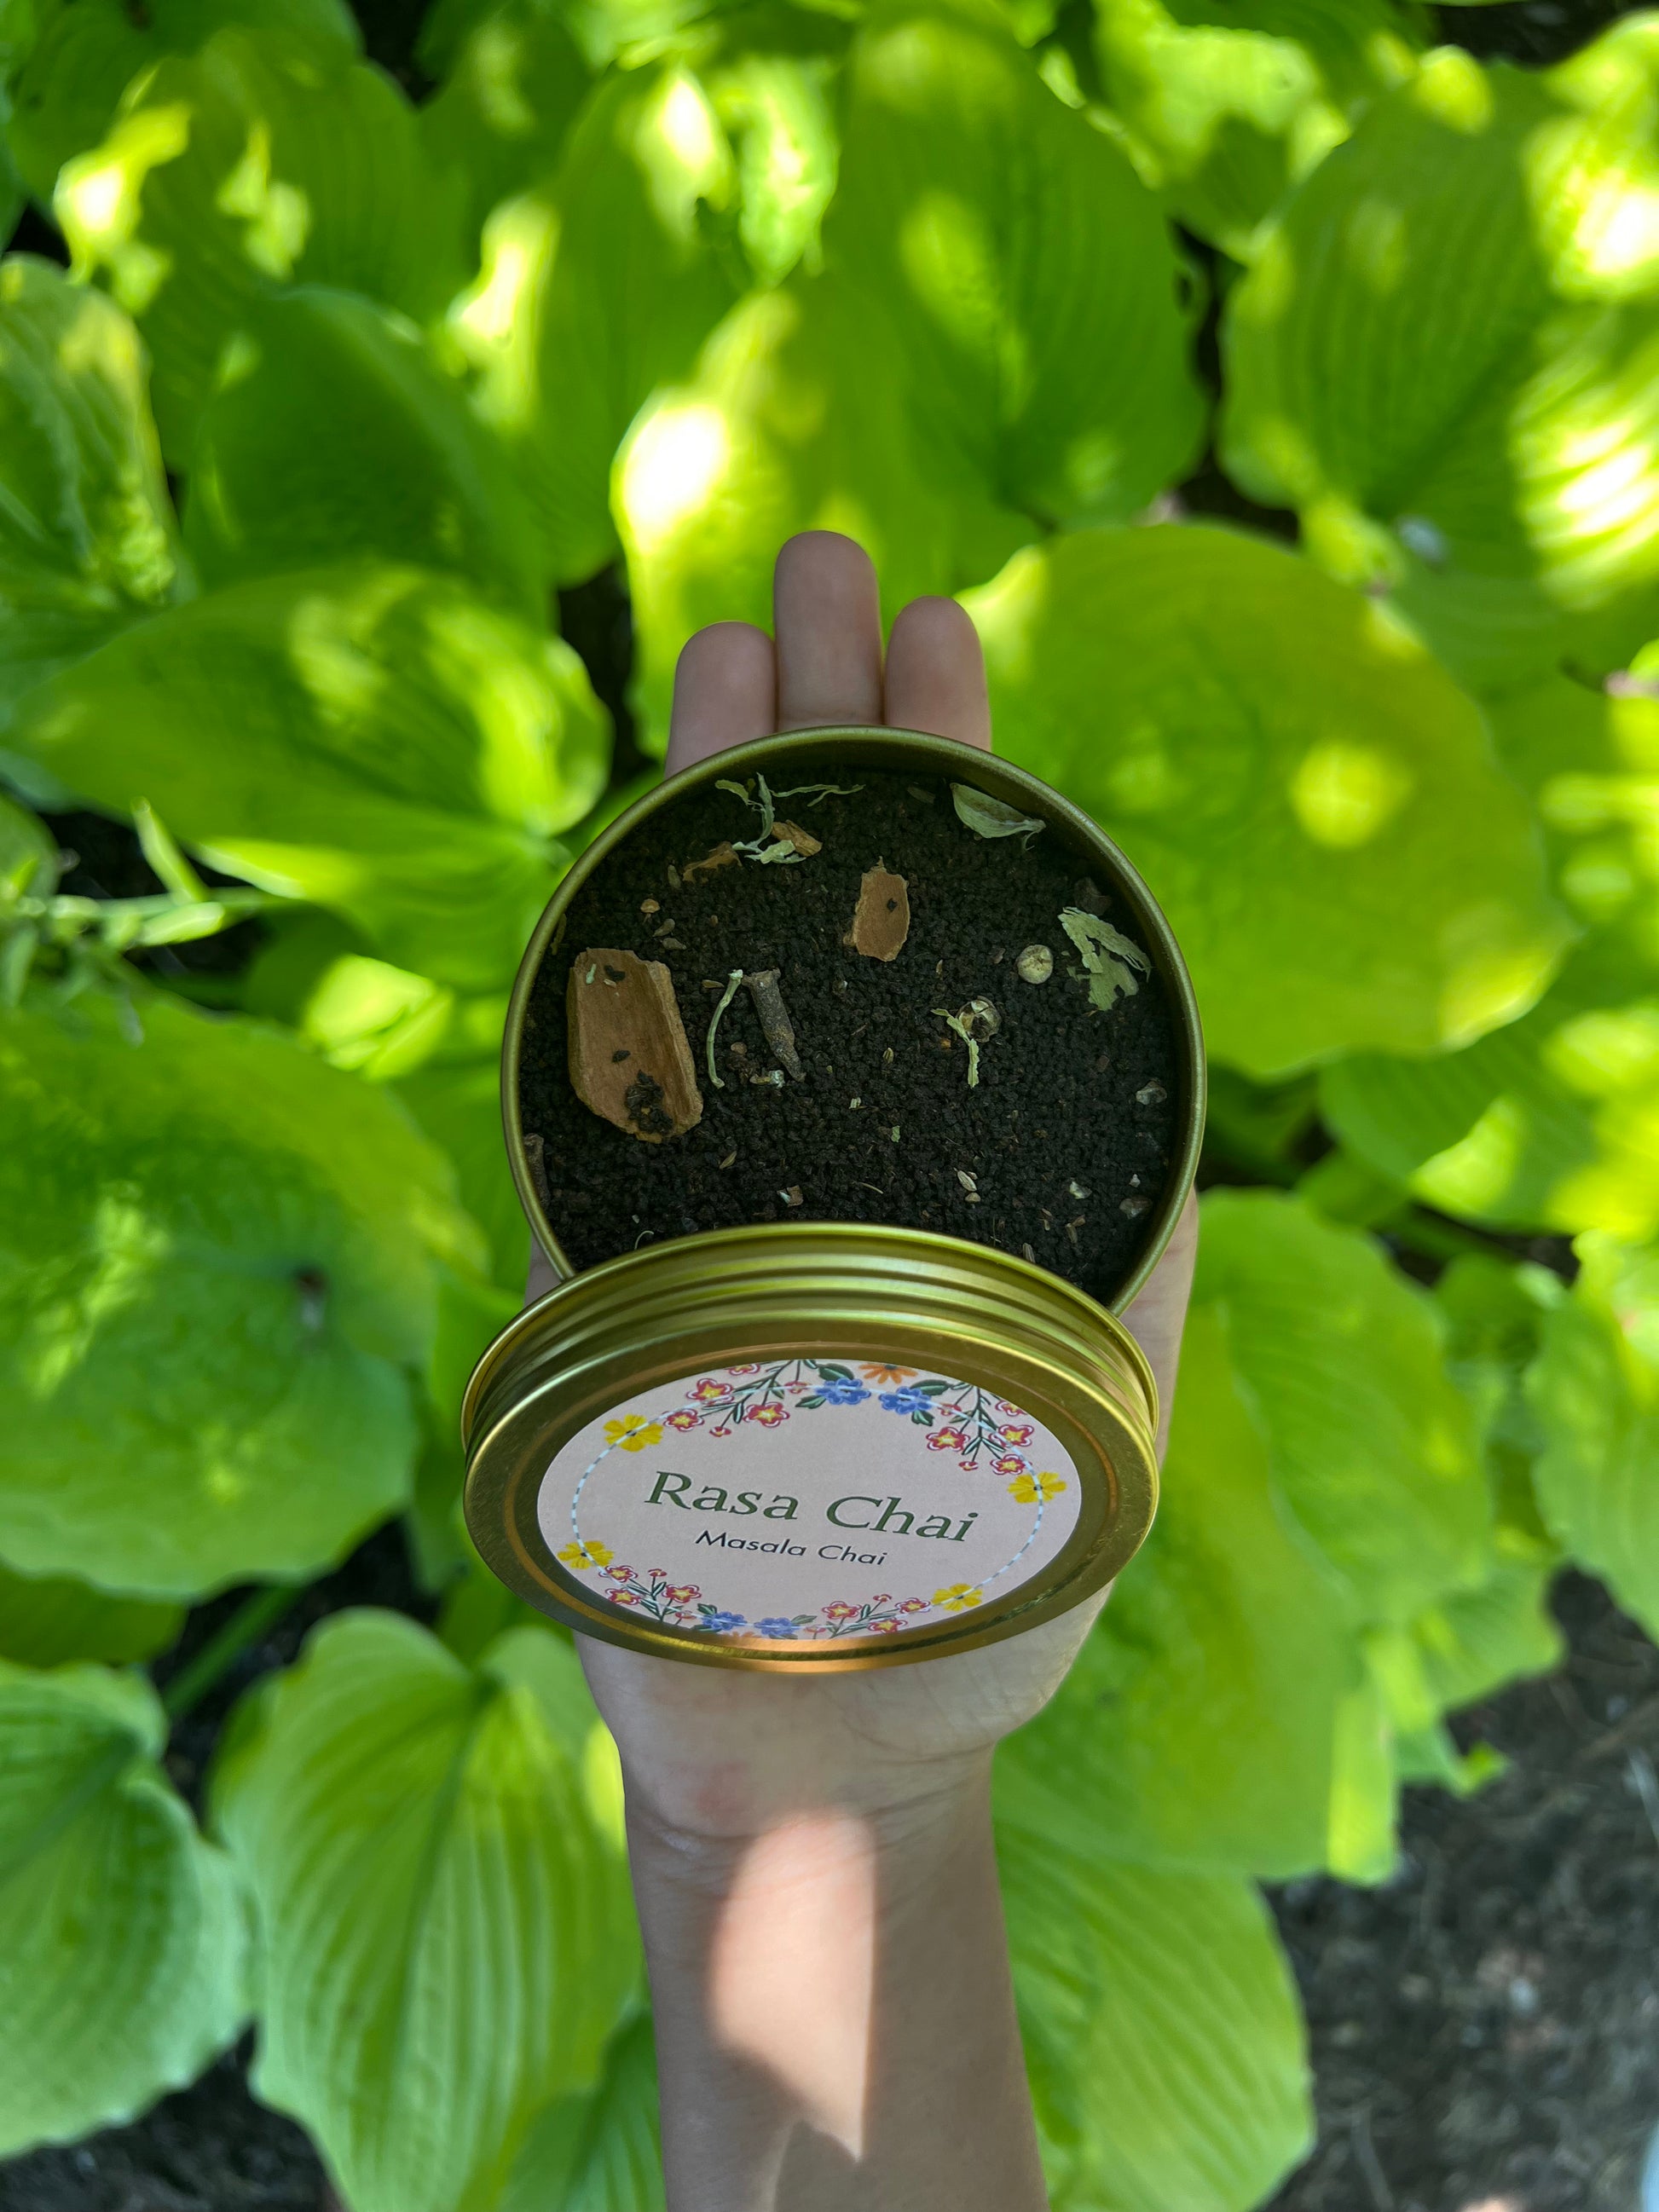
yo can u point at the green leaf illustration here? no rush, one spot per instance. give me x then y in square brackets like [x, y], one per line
[1030, 268]
[1162, 2038]
[122, 1935]
[87, 541]
[404, 752]
[265, 159]
[448, 1934]
[1464, 258]
[339, 435]
[1316, 801]
[215, 1268]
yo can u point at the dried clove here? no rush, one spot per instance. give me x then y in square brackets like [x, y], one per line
[778, 1031]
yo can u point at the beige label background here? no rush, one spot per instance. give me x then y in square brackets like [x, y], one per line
[808, 1500]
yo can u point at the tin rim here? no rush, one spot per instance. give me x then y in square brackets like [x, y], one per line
[868, 745]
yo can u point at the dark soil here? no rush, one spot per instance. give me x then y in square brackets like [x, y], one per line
[1485, 2029]
[1067, 1161]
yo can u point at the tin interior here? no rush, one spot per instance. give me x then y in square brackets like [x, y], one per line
[803, 753]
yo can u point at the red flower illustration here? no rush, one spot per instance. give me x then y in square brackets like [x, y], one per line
[947, 1440]
[767, 1416]
[684, 1418]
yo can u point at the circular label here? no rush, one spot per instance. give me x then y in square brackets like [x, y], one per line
[806, 1500]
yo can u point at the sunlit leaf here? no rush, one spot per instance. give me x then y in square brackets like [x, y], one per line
[1446, 353]
[379, 740]
[47, 1619]
[1315, 802]
[265, 159]
[601, 2152]
[1162, 2038]
[1594, 1388]
[216, 1267]
[512, 89]
[597, 287]
[1342, 1361]
[1219, 1717]
[339, 435]
[1228, 105]
[1589, 757]
[87, 534]
[783, 429]
[89, 51]
[773, 79]
[446, 1930]
[1030, 270]
[122, 1936]
[1550, 1123]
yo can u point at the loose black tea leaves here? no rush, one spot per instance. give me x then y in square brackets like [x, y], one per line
[866, 1113]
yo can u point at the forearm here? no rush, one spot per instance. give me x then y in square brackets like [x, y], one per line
[835, 2026]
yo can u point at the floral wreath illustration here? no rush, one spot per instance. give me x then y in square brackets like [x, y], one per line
[985, 1433]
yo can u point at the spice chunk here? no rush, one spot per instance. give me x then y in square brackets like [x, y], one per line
[630, 1062]
[881, 921]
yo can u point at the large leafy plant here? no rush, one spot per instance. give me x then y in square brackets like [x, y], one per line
[314, 397]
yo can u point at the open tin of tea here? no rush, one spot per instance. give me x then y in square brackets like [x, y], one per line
[809, 1444]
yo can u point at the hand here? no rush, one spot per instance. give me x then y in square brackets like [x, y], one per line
[813, 1858]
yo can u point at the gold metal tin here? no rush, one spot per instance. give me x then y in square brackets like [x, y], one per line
[832, 1290]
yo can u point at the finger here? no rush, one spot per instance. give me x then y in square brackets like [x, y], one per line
[826, 613]
[726, 688]
[936, 674]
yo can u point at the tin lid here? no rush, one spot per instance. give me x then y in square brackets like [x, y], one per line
[811, 1445]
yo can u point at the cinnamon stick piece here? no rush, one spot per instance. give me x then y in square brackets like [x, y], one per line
[881, 921]
[630, 1062]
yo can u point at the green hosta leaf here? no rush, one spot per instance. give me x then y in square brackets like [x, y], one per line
[459, 1104]
[1372, 1448]
[377, 739]
[1227, 107]
[1163, 2037]
[1029, 268]
[1445, 355]
[597, 287]
[512, 87]
[89, 51]
[265, 160]
[1314, 800]
[773, 81]
[122, 1937]
[87, 537]
[1590, 759]
[28, 854]
[45, 1619]
[781, 429]
[1219, 1717]
[1550, 1123]
[339, 435]
[447, 1928]
[601, 2152]
[1595, 1388]
[214, 1264]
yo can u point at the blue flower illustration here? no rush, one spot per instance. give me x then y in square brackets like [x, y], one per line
[843, 1393]
[907, 1402]
[718, 1623]
[776, 1626]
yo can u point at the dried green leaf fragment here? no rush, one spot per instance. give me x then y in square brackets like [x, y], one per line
[992, 817]
[1110, 958]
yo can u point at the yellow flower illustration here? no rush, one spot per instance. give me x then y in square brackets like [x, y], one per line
[1027, 1489]
[958, 1597]
[635, 1433]
[585, 1555]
